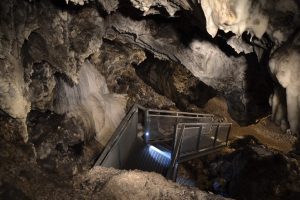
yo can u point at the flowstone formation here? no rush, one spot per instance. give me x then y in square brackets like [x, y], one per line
[91, 102]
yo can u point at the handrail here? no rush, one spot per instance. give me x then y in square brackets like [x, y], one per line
[177, 115]
[187, 125]
[118, 133]
[140, 107]
[179, 112]
[176, 150]
[178, 138]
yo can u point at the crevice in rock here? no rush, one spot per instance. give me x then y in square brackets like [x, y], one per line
[175, 82]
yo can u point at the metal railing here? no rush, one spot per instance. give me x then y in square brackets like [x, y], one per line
[118, 147]
[160, 124]
[192, 140]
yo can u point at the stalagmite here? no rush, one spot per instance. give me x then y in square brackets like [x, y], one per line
[284, 64]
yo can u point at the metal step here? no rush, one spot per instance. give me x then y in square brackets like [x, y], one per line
[186, 181]
[150, 158]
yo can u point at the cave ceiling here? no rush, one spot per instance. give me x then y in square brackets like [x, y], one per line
[226, 44]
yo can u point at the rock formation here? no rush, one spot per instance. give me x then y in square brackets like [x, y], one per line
[259, 18]
[70, 69]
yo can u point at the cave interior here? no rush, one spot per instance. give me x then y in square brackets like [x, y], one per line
[90, 88]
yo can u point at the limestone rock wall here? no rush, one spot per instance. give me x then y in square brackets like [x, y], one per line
[69, 70]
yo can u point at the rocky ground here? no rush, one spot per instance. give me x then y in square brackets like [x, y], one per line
[247, 170]
[25, 176]
[264, 129]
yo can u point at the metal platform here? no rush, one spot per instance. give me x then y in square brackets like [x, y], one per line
[166, 139]
[150, 158]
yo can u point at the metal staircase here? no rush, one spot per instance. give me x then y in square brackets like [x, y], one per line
[158, 140]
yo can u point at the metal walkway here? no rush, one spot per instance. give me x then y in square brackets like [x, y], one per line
[158, 140]
[150, 158]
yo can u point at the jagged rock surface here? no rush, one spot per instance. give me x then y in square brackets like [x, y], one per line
[175, 82]
[65, 68]
[279, 19]
[249, 171]
[148, 6]
[280, 22]
[27, 171]
[206, 61]
[116, 62]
